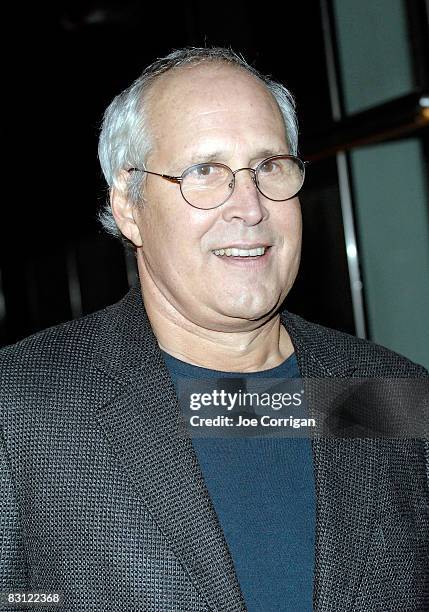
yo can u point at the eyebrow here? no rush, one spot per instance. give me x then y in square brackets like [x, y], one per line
[216, 155]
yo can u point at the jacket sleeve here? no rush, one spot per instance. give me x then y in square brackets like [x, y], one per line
[13, 569]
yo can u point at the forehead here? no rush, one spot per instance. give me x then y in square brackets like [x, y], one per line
[208, 101]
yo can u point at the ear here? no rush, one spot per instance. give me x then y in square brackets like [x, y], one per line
[125, 213]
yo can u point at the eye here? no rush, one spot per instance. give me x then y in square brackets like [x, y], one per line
[268, 167]
[202, 171]
[206, 173]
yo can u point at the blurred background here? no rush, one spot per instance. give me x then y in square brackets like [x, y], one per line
[360, 75]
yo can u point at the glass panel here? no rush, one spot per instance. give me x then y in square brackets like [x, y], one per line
[321, 292]
[374, 53]
[393, 224]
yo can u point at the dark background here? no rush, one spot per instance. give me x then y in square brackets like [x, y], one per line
[62, 65]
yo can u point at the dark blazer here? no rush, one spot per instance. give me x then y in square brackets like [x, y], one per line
[103, 500]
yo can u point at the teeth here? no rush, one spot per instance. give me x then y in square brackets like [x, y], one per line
[240, 252]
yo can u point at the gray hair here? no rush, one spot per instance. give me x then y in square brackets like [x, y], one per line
[124, 139]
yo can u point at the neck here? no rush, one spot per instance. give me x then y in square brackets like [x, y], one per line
[248, 350]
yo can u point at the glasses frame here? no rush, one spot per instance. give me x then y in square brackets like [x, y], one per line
[254, 171]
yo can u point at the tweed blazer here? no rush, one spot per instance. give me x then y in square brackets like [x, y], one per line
[102, 500]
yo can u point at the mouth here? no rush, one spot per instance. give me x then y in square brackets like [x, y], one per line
[241, 252]
[252, 258]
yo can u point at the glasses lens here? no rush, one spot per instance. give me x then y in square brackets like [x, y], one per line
[207, 185]
[280, 178]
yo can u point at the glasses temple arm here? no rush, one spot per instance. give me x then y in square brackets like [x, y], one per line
[173, 179]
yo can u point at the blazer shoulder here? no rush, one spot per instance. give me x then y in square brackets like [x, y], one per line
[365, 357]
[56, 339]
[63, 352]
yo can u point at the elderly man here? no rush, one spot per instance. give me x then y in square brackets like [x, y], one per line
[105, 501]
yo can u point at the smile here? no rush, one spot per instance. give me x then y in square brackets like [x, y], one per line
[234, 252]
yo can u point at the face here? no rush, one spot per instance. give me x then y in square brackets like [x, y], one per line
[216, 113]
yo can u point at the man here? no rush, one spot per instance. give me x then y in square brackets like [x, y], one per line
[104, 498]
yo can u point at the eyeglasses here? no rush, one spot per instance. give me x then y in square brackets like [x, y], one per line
[209, 185]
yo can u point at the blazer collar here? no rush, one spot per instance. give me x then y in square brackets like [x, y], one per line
[140, 419]
[320, 351]
[127, 344]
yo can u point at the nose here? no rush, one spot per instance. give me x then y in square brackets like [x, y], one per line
[245, 203]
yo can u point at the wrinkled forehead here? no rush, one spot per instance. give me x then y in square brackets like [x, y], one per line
[206, 94]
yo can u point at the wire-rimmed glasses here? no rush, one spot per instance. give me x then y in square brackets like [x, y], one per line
[210, 184]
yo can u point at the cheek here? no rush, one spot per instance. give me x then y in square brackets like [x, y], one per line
[155, 221]
[289, 226]
[296, 222]
[173, 236]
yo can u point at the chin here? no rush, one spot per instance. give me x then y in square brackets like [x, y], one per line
[249, 308]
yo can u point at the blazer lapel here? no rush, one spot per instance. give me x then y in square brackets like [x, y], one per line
[142, 425]
[345, 472]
